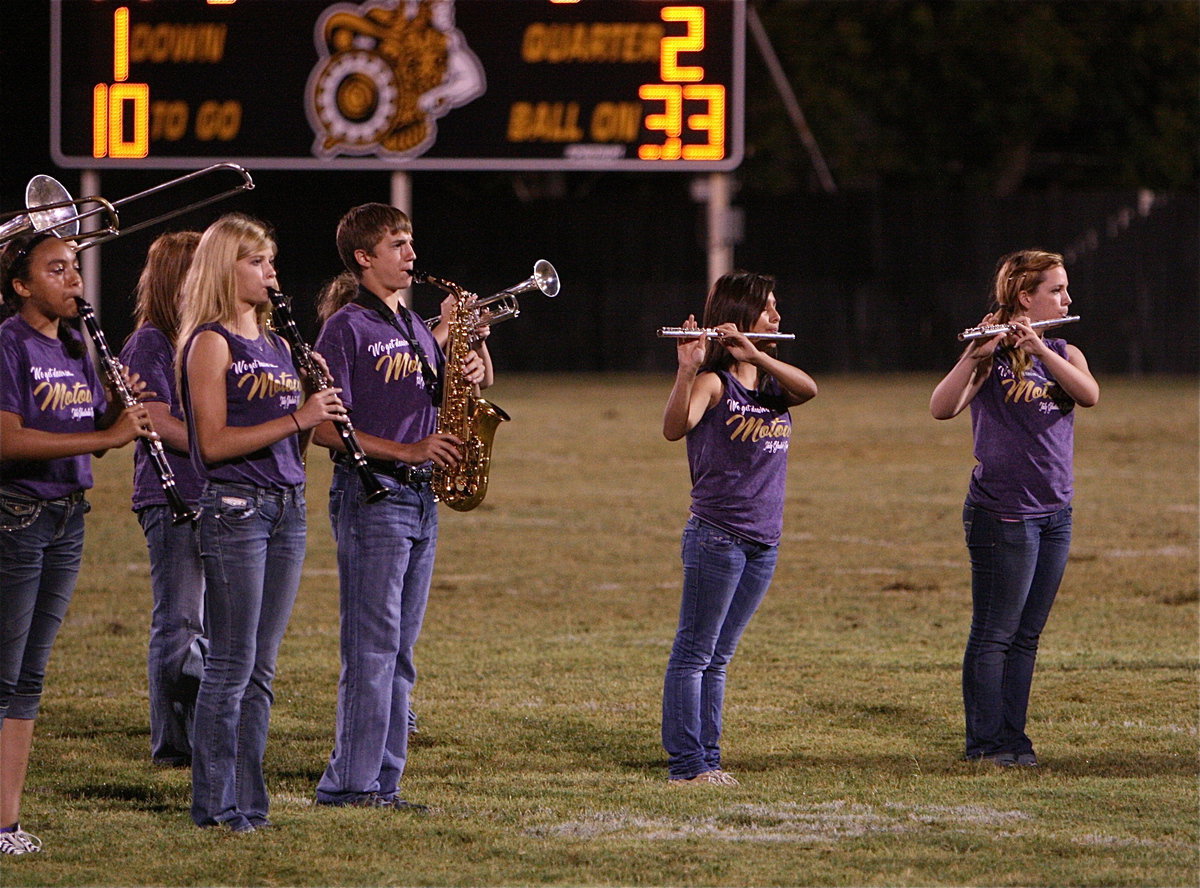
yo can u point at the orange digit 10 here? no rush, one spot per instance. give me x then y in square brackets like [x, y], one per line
[671, 122]
[110, 101]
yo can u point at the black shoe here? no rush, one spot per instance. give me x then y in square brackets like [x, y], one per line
[374, 800]
[404, 805]
[173, 761]
[999, 759]
[1027, 760]
[366, 800]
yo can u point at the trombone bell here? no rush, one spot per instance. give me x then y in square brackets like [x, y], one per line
[50, 207]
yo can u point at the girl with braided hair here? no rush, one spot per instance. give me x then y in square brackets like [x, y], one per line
[1022, 389]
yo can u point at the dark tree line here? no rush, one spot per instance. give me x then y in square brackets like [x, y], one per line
[988, 95]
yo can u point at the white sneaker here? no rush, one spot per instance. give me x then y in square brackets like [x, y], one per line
[711, 778]
[726, 778]
[19, 842]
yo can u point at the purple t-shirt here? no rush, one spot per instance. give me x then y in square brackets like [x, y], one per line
[1024, 441]
[51, 392]
[261, 384]
[379, 374]
[737, 454]
[149, 353]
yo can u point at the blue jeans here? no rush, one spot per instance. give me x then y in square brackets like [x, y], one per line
[41, 546]
[175, 659]
[385, 553]
[724, 579]
[1016, 567]
[252, 546]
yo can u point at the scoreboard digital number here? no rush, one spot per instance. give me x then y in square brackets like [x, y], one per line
[399, 84]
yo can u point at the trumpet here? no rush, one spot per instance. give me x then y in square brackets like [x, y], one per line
[986, 331]
[48, 195]
[544, 278]
[713, 333]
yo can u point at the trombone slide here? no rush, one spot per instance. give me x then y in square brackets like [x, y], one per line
[94, 239]
[711, 333]
[990, 330]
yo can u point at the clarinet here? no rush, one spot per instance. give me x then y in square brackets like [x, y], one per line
[181, 512]
[373, 490]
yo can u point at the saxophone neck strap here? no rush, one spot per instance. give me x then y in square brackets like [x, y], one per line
[402, 321]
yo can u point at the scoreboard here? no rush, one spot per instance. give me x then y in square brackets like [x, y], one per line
[399, 84]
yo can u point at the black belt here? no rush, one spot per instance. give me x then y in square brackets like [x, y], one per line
[70, 499]
[403, 473]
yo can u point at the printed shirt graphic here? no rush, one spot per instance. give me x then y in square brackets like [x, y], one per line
[1024, 441]
[379, 374]
[149, 354]
[51, 392]
[261, 384]
[737, 453]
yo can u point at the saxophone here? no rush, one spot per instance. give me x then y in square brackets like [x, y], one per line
[470, 419]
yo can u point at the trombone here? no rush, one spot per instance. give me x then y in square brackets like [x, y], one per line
[40, 214]
[544, 278]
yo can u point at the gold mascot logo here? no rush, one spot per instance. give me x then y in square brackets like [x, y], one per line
[386, 72]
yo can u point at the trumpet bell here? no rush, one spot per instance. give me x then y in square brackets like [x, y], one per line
[545, 278]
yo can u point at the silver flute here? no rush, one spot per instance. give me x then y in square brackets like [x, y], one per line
[987, 331]
[711, 333]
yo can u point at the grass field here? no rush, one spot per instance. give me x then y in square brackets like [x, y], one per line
[549, 626]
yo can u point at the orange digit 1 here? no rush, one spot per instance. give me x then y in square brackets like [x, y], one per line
[100, 120]
[670, 122]
[121, 44]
